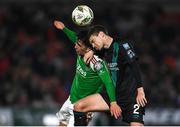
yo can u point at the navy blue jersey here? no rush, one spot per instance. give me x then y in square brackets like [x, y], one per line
[122, 62]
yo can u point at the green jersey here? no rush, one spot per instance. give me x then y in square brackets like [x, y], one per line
[89, 79]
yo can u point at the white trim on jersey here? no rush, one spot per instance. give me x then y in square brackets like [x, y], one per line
[95, 61]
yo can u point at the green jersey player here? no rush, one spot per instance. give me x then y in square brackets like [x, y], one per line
[87, 80]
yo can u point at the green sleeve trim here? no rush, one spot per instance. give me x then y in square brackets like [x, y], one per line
[114, 60]
[70, 34]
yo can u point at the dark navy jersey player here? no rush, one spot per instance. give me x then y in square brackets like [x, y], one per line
[122, 61]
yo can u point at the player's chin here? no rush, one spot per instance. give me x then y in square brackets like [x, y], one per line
[78, 53]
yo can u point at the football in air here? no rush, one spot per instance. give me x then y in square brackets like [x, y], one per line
[82, 15]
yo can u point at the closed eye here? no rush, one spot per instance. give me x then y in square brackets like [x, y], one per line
[78, 44]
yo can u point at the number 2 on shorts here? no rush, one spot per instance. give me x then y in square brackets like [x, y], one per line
[136, 107]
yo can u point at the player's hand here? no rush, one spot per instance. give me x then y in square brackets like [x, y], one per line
[115, 110]
[88, 56]
[140, 98]
[59, 25]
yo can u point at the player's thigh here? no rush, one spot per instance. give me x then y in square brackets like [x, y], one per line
[93, 102]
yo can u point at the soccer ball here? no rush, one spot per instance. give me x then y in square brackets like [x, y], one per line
[82, 15]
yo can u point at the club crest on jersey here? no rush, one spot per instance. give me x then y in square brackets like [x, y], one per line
[98, 66]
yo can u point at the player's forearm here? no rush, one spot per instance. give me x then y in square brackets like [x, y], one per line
[106, 78]
[70, 34]
[111, 92]
[109, 86]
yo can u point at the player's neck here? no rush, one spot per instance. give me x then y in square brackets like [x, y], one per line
[108, 42]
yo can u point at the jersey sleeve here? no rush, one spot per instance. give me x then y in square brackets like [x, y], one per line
[131, 59]
[70, 34]
[100, 67]
[128, 52]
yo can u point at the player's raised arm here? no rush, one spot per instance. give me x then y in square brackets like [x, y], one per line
[100, 67]
[70, 34]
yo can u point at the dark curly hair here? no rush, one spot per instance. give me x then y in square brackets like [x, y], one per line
[83, 36]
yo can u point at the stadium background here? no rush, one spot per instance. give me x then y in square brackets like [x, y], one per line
[37, 62]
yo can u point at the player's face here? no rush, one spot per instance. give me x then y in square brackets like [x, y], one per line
[80, 48]
[96, 41]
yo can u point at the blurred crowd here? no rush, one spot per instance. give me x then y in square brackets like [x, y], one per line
[37, 62]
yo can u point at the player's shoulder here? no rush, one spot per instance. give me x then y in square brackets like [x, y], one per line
[96, 58]
[123, 42]
[127, 44]
[96, 63]
[130, 42]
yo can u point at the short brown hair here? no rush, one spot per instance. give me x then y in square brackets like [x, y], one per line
[94, 30]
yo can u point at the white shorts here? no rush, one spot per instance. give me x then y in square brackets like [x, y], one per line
[65, 114]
